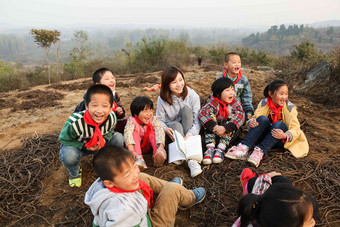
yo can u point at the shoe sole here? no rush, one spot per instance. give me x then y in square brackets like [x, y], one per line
[195, 175]
[253, 163]
[217, 160]
[235, 158]
[206, 161]
[185, 208]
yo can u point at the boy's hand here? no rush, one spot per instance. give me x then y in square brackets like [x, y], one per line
[119, 111]
[94, 148]
[170, 133]
[253, 123]
[278, 134]
[273, 174]
[248, 116]
[219, 130]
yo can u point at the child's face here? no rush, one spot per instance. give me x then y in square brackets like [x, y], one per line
[145, 115]
[177, 85]
[127, 178]
[99, 107]
[228, 94]
[280, 96]
[309, 220]
[109, 80]
[233, 65]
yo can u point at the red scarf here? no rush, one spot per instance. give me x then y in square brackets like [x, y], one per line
[114, 106]
[148, 192]
[97, 133]
[148, 131]
[224, 107]
[238, 75]
[274, 109]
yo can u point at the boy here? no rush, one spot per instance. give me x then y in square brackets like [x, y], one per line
[122, 196]
[221, 116]
[105, 76]
[232, 62]
[86, 132]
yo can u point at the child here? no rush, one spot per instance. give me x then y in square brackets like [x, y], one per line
[177, 109]
[232, 62]
[122, 196]
[106, 77]
[144, 132]
[222, 116]
[272, 200]
[86, 132]
[274, 123]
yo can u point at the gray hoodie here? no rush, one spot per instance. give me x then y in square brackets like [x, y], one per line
[116, 209]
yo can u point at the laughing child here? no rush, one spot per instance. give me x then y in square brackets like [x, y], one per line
[222, 116]
[122, 196]
[105, 76]
[143, 132]
[232, 62]
[87, 131]
[274, 123]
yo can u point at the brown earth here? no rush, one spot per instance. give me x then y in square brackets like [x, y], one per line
[33, 183]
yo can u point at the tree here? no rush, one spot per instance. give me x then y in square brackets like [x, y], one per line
[45, 38]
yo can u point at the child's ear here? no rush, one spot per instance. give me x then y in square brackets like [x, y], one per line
[86, 107]
[226, 64]
[108, 183]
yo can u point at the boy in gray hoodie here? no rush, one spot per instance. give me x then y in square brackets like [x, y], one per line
[122, 196]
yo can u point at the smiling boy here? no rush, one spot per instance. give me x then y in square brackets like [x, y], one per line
[122, 196]
[86, 132]
[232, 63]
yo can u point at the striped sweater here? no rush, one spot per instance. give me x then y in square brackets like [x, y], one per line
[76, 132]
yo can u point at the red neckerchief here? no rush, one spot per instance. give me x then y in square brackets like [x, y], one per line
[238, 75]
[97, 133]
[276, 110]
[148, 131]
[114, 106]
[148, 192]
[224, 109]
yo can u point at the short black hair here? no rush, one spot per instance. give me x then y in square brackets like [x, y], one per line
[227, 56]
[139, 103]
[109, 159]
[98, 89]
[98, 74]
[219, 85]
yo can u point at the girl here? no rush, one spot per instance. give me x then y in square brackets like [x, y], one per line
[222, 116]
[274, 123]
[273, 201]
[177, 109]
[143, 132]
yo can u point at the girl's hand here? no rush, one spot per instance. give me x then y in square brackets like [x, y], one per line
[187, 136]
[253, 123]
[119, 111]
[273, 174]
[219, 130]
[278, 134]
[170, 133]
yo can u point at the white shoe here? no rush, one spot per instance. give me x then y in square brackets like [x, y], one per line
[195, 168]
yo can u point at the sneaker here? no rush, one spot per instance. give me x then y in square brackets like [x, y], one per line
[208, 156]
[199, 196]
[195, 168]
[159, 158]
[238, 152]
[141, 163]
[177, 180]
[256, 157]
[75, 182]
[246, 175]
[218, 156]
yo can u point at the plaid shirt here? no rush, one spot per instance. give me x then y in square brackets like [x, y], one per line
[210, 110]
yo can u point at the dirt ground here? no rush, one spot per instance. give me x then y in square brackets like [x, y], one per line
[33, 182]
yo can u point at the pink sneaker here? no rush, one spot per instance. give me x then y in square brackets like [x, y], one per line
[256, 157]
[238, 152]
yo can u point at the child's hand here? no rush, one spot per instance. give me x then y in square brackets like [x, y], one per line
[273, 174]
[253, 123]
[187, 136]
[278, 134]
[119, 111]
[219, 130]
[170, 133]
[248, 116]
[94, 148]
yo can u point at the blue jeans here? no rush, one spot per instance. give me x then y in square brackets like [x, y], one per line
[70, 156]
[262, 135]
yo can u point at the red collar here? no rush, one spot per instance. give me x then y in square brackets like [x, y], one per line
[238, 75]
[148, 131]
[97, 135]
[276, 110]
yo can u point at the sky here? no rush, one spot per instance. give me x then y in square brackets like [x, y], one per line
[197, 13]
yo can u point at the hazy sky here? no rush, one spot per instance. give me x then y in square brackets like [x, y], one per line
[201, 13]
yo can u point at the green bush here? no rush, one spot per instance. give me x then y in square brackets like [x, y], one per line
[217, 54]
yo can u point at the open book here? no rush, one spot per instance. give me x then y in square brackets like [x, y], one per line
[182, 149]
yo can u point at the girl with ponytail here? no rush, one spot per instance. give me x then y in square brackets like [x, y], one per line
[274, 124]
